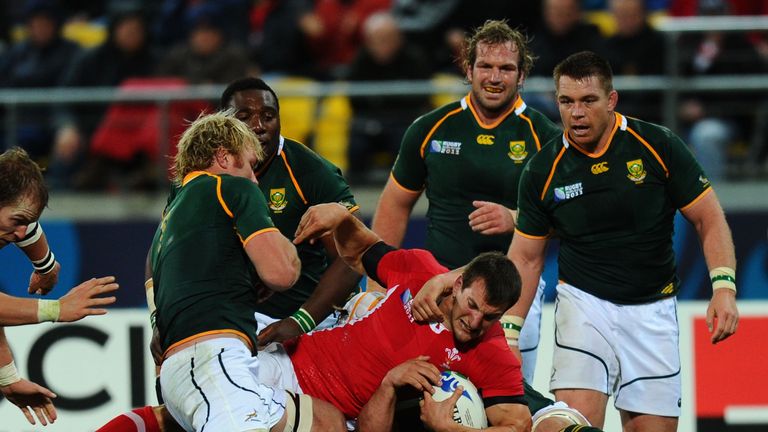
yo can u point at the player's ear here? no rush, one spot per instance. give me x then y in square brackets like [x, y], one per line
[457, 284]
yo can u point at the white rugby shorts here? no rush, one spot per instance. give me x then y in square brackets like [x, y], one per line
[529, 335]
[213, 386]
[629, 351]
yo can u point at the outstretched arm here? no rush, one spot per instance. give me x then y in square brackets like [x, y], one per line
[79, 302]
[707, 217]
[351, 236]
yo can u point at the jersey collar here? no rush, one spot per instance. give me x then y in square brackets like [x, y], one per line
[518, 107]
[191, 176]
[281, 145]
[621, 123]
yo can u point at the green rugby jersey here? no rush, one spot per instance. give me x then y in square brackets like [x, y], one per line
[296, 179]
[613, 211]
[457, 158]
[200, 269]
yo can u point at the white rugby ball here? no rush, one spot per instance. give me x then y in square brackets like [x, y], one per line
[469, 410]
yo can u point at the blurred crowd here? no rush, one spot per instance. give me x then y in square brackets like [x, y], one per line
[173, 43]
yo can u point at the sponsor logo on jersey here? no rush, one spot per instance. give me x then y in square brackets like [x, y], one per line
[517, 151]
[252, 417]
[668, 289]
[600, 167]
[347, 204]
[451, 355]
[277, 201]
[563, 193]
[485, 139]
[636, 170]
[704, 181]
[407, 300]
[445, 147]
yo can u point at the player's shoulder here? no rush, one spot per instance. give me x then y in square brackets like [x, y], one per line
[431, 118]
[549, 152]
[654, 134]
[300, 155]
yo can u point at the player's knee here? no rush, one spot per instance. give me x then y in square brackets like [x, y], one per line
[306, 414]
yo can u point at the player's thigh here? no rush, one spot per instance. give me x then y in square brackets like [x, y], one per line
[214, 385]
[635, 422]
[304, 413]
[583, 356]
[529, 335]
[650, 380]
[590, 403]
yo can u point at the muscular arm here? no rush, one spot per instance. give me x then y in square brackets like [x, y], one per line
[708, 219]
[528, 255]
[275, 260]
[17, 311]
[508, 417]
[334, 285]
[351, 236]
[41, 283]
[391, 218]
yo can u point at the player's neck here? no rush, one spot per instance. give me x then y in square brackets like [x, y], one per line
[491, 116]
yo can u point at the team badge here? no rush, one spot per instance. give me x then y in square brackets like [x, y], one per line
[636, 170]
[451, 355]
[517, 151]
[277, 201]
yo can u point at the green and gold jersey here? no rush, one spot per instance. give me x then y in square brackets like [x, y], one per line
[456, 158]
[296, 179]
[200, 269]
[613, 211]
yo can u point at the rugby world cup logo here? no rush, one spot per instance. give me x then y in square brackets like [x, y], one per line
[277, 200]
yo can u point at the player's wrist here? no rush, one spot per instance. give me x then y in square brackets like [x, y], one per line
[9, 374]
[512, 325]
[304, 320]
[723, 277]
[46, 264]
[48, 310]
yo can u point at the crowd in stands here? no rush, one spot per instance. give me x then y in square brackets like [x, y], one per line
[110, 43]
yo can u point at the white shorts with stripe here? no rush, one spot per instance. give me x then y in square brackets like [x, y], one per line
[630, 351]
[529, 335]
[214, 386]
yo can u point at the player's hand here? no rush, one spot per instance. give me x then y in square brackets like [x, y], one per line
[426, 304]
[279, 331]
[418, 373]
[722, 314]
[491, 218]
[32, 399]
[83, 300]
[438, 416]
[318, 221]
[42, 284]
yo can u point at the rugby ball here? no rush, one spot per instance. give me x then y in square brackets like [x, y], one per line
[469, 410]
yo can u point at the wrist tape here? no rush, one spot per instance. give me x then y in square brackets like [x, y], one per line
[304, 320]
[723, 277]
[45, 265]
[34, 232]
[48, 310]
[9, 374]
[512, 325]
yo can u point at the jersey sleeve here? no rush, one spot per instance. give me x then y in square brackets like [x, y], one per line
[408, 266]
[409, 170]
[245, 203]
[326, 185]
[495, 371]
[687, 180]
[532, 219]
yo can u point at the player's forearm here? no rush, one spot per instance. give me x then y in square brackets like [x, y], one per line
[17, 311]
[37, 250]
[378, 414]
[334, 287]
[530, 272]
[390, 220]
[352, 239]
[717, 244]
[5, 350]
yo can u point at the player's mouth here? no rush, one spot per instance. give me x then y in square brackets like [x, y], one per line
[579, 130]
[493, 90]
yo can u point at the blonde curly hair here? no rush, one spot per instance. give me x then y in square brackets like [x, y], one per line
[495, 32]
[209, 133]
